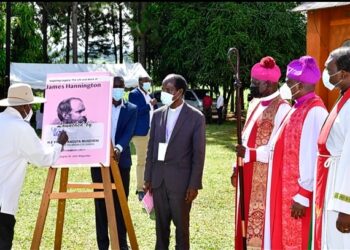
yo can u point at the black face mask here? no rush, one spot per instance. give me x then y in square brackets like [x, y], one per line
[254, 91]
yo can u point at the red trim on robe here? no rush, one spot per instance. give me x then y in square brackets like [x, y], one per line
[252, 155]
[304, 192]
[248, 176]
[287, 232]
[322, 172]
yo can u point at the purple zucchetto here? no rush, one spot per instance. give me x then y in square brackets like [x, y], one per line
[304, 69]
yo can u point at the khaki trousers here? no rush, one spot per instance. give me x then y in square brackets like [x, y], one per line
[140, 143]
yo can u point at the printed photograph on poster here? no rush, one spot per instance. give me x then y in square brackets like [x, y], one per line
[80, 104]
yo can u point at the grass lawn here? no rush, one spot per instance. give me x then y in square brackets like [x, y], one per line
[212, 215]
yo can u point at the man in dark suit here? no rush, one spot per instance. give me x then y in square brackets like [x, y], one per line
[123, 123]
[175, 161]
[145, 106]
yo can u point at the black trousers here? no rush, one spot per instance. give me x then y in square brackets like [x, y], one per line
[219, 115]
[101, 213]
[7, 226]
[207, 113]
[171, 206]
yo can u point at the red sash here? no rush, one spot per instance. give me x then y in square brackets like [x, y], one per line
[322, 172]
[287, 232]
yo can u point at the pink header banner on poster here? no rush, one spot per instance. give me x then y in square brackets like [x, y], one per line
[79, 103]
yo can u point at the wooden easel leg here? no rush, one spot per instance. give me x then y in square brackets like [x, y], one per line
[61, 209]
[45, 201]
[124, 205]
[111, 217]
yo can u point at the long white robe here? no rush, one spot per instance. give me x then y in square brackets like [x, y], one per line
[338, 181]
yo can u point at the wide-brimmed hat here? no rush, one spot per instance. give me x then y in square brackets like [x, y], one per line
[20, 94]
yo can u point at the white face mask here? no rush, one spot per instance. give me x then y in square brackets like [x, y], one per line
[28, 116]
[118, 93]
[326, 80]
[285, 92]
[166, 98]
[146, 86]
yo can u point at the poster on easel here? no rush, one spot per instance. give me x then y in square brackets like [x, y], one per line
[79, 103]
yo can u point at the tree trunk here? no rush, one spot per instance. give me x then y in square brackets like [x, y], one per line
[143, 40]
[149, 61]
[120, 32]
[136, 40]
[8, 46]
[44, 31]
[68, 35]
[75, 32]
[242, 97]
[114, 34]
[87, 21]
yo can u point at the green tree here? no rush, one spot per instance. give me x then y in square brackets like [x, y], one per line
[26, 40]
[193, 39]
[2, 39]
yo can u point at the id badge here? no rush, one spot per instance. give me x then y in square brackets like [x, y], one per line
[161, 151]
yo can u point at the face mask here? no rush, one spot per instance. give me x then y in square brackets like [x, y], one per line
[28, 116]
[285, 92]
[118, 94]
[166, 98]
[326, 80]
[146, 86]
[254, 91]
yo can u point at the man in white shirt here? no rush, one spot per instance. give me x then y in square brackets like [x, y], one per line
[19, 145]
[219, 107]
[39, 114]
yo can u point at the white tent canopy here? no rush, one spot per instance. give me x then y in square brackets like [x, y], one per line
[35, 74]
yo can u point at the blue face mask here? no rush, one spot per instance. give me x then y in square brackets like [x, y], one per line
[118, 94]
[146, 86]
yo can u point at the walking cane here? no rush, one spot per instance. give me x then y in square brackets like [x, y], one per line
[237, 85]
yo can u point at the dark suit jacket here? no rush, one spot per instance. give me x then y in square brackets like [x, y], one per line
[142, 124]
[184, 158]
[125, 130]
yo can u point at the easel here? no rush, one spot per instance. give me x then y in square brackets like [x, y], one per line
[62, 195]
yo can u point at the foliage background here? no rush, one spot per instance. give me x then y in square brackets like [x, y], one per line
[190, 38]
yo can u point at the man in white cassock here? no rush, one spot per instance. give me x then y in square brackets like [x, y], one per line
[332, 199]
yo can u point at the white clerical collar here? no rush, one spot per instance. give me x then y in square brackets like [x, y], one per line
[270, 97]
